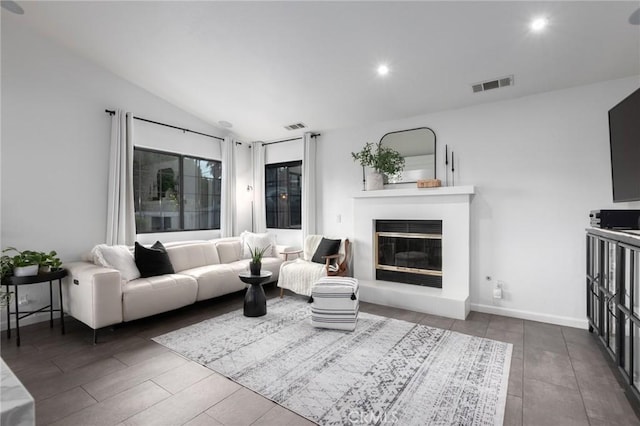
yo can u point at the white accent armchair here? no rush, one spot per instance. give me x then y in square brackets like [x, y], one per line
[299, 274]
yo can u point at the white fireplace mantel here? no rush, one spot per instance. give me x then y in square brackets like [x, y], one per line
[451, 205]
[417, 192]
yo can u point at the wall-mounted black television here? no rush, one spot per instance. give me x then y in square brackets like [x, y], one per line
[624, 140]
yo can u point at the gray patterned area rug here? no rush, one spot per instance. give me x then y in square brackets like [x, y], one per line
[385, 372]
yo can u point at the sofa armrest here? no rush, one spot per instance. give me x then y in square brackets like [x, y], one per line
[93, 294]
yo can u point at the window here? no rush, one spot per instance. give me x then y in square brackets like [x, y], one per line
[202, 189]
[174, 192]
[283, 189]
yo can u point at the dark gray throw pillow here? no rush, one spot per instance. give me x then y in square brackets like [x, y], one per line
[326, 248]
[152, 261]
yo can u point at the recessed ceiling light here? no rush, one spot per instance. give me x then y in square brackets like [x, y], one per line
[538, 24]
[383, 69]
[225, 124]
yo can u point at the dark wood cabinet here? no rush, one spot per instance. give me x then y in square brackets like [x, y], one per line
[613, 300]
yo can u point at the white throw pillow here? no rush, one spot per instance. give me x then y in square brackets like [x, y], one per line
[249, 239]
[116, 257]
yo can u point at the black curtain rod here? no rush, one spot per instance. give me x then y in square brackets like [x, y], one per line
[173, 127]
[314, 135]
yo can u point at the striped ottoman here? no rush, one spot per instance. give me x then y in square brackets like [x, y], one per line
[335, 303]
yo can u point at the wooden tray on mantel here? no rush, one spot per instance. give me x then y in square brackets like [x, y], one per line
[429, 183]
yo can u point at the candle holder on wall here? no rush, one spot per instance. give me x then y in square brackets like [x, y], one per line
[446, 167]
[453, 170]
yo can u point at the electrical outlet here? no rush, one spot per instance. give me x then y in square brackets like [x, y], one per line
[23, 300]
[497, 293]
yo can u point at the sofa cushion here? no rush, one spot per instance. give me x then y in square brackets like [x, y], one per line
[215, 280]
[257, 241]
[149, 296]
[152, 261]
[228, 250]
[192, 254]
[326, 247]
[116, 257]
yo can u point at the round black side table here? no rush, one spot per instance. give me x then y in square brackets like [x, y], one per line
[34, 279]
[255, 302]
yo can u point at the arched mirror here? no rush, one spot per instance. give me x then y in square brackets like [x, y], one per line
[418, 147]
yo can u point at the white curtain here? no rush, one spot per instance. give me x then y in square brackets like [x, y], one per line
[228, 198]
[308, 186]
[121, 224]
[259, 208]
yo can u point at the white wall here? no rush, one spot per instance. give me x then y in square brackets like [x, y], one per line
[539, 164]
[55, 144]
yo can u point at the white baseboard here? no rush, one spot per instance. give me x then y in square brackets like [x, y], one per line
[488, 309]
[532, 316]
[39, 317]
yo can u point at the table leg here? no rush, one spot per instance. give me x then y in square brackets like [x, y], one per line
[8, 313]
[61, 306]
[255, 301]
[15, 293]
[50, 305]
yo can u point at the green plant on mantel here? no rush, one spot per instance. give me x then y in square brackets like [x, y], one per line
[381, 158]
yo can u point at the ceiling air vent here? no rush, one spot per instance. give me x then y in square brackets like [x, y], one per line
[295, 126]
[492, 84]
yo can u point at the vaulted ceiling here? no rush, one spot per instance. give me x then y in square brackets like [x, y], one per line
[264, 65]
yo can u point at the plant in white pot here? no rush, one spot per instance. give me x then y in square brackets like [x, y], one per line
[383, 160]
[23, 264]
[28, 262]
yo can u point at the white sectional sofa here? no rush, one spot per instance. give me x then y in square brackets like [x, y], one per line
[99, 297]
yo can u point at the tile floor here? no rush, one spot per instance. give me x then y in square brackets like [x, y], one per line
[559, 375]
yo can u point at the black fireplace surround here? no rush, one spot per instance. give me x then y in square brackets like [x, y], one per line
[409, 251]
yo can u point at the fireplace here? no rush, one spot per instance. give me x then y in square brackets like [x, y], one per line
[451, 206]
[409, 251]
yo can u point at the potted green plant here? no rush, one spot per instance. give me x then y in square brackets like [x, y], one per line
[256, 258]
[7, 265]
[23, 264]
[382, 159]
[28, 262]
[49, 261]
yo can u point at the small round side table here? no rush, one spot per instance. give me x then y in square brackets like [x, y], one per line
[255, 301]
[34, 279]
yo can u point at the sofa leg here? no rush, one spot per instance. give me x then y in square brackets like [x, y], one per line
[95, 336]
[281, 293]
